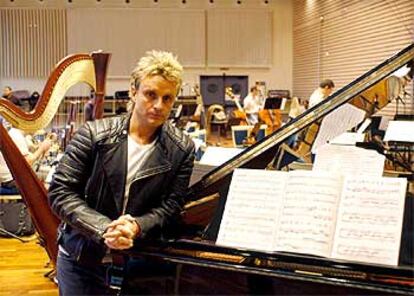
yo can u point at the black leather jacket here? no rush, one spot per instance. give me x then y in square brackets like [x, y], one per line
[87, 191]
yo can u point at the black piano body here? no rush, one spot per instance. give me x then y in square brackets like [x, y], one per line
[202, 267]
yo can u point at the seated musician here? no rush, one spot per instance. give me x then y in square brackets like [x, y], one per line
[322, 92]
[8, 185]
[88, 108]
[199, 112]
[8, 95]
[121, 179]
[297, 107]
[252, 104]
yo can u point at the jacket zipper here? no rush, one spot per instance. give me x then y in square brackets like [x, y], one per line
[152, 172]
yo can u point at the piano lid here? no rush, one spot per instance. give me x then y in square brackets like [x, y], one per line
[216, 182]
[212, 189]
[260, 154]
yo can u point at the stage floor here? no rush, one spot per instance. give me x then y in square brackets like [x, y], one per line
[22, 268]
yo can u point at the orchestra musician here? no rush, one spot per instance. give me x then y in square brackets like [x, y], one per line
[252, 104]
[88, 108]
[121, 179]
[8, 185]
[297, 107]
[8, 95]
[322, 92]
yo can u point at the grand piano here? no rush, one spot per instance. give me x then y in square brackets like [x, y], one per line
[202, 267]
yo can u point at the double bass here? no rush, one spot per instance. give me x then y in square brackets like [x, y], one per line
[90, 69]
[239, 113]
[271, 116]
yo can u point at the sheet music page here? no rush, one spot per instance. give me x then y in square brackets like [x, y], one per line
[251, 212]
[336, 123]
[400, 131]
[347, 138]
[364, 126]
[370, 220]
[218, 155]
[349, 160]
[308, 214]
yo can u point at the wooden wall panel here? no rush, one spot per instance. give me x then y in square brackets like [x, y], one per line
[32, 41]
[343, 39]
[128, 34]
[239, 38]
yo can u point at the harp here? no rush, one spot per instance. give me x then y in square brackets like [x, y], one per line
[90, 69]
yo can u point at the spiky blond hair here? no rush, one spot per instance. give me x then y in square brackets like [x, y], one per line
[158, 63]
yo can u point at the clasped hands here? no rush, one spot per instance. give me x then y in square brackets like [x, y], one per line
[120, 233]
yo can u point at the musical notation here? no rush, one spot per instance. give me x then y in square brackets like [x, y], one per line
[312, 198]
[369, 220]
[371, 254]
[349, 160]
[252, 207]
[314, 212]
[336, 123]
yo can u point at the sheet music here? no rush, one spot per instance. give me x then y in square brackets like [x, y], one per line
[336, 123]
[283, 104]
[400, 131]
[364, 126]
[252, 207]
[385, 120]
[370, 220]
[349, 160]
[347, 138]
[218, 155]
[307, 216]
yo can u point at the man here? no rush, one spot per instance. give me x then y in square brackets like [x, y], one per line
[252, 104]
[8, 185]
[8, 95]
[89, 106]
[121, 178]
[322, 92]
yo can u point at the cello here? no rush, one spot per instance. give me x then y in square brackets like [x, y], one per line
[90, 69]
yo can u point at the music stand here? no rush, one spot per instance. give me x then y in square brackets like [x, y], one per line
[273, 103]
[374, 127]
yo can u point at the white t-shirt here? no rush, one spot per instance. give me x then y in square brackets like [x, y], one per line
[137, 154]
[316, 97]
[20, 141]
[252, 104]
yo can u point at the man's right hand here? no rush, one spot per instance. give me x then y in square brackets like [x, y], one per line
[121, 233]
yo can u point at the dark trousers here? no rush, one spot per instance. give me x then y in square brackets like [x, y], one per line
[76, 279]
[140, 277]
